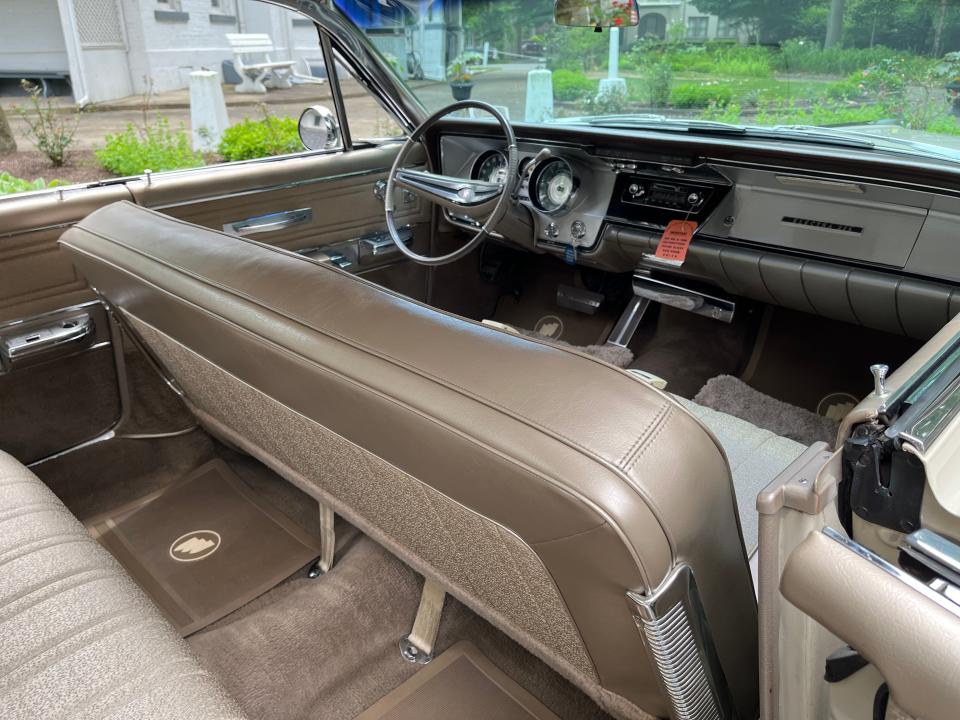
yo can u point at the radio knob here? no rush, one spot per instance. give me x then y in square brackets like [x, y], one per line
[693, 198]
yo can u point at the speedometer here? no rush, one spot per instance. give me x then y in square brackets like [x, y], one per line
[553, 185]
[491, 167]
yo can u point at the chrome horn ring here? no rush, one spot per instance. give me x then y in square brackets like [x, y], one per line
[457, 194]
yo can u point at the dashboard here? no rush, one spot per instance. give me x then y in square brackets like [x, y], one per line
[855, 248]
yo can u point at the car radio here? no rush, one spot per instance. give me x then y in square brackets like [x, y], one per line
[653, 200]
[666, 195]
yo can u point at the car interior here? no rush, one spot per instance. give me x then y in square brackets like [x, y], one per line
[447, 426]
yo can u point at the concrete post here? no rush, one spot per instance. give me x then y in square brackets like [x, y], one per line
[208, 110]
[486, 52]
[539, 106]
[613, 83]
[613, 66]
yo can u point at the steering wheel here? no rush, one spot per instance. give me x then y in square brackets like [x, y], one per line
[463, 196]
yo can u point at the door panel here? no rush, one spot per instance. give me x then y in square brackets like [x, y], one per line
[72, 397]
[338, 188]
[35, 276]
[913, 640]
[64, 393]
[60, 397]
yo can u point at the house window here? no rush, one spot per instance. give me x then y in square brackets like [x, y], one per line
[726, 28]
[697, 27]
[653, 25]
[169, 4]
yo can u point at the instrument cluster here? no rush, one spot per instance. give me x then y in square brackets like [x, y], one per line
[550, 187]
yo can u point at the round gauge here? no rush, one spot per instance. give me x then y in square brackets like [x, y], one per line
[553, 185]
[491, 167]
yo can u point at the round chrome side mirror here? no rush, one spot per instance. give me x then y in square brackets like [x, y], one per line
[319, 129]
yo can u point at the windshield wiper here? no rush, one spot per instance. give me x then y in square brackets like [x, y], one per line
[888, 142]
[658, 122]
[796, 133]
[814, 133]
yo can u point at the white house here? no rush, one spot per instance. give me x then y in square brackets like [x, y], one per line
[656, 16]
[114, 48]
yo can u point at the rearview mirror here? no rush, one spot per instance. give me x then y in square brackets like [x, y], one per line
[319, 129]
[596, 13]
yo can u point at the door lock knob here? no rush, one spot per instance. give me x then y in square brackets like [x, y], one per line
[879, 373]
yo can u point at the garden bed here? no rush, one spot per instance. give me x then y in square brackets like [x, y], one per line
[81, 166]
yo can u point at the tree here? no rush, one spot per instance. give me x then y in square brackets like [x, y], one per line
[7, 141]
[938, 30]
[834, 24]
[776, 20]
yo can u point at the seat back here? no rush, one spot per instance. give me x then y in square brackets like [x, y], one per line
[575, 507]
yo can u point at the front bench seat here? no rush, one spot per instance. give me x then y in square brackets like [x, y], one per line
[537, 485]
[78, 638]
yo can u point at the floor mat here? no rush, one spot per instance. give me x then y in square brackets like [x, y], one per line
[756, 457]
[460, 683]
[205, 546]
[730, 395]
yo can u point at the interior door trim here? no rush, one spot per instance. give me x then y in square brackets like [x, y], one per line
[892, 570]
[270, 188]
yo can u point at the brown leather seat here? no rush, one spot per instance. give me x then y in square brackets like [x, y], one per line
[537, 485]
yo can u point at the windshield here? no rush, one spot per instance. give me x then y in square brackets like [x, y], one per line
[881, 74]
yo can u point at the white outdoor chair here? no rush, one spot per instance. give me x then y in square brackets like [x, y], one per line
[251, 59]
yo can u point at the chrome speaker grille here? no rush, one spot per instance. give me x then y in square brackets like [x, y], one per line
[675, 653]
[676, 634]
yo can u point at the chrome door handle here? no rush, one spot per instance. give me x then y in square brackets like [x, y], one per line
[269, 222]
[14, 348]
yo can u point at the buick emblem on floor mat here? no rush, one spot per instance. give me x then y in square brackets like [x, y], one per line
[549, 326]
[195, 545]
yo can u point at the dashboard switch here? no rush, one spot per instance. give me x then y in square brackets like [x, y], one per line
[553, 231]
[578, 230]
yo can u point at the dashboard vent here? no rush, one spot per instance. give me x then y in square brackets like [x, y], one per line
[823, 225]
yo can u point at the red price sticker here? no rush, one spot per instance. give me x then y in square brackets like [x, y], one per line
[675, 241]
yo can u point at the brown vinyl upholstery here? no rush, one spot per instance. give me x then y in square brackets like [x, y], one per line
[536, 484]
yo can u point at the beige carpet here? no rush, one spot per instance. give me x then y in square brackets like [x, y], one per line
[327, 648]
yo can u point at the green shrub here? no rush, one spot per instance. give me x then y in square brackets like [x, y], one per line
[694, 95]
[653, 88]
[571, 85]
[725, 60]
[806, 56]
[742, 61]
[944, 125]
[10, 184]
[825, 113]
[260, 138]
[728, 113]
[613, 102]
[51, 131]
[843, 89]
[154, 147]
